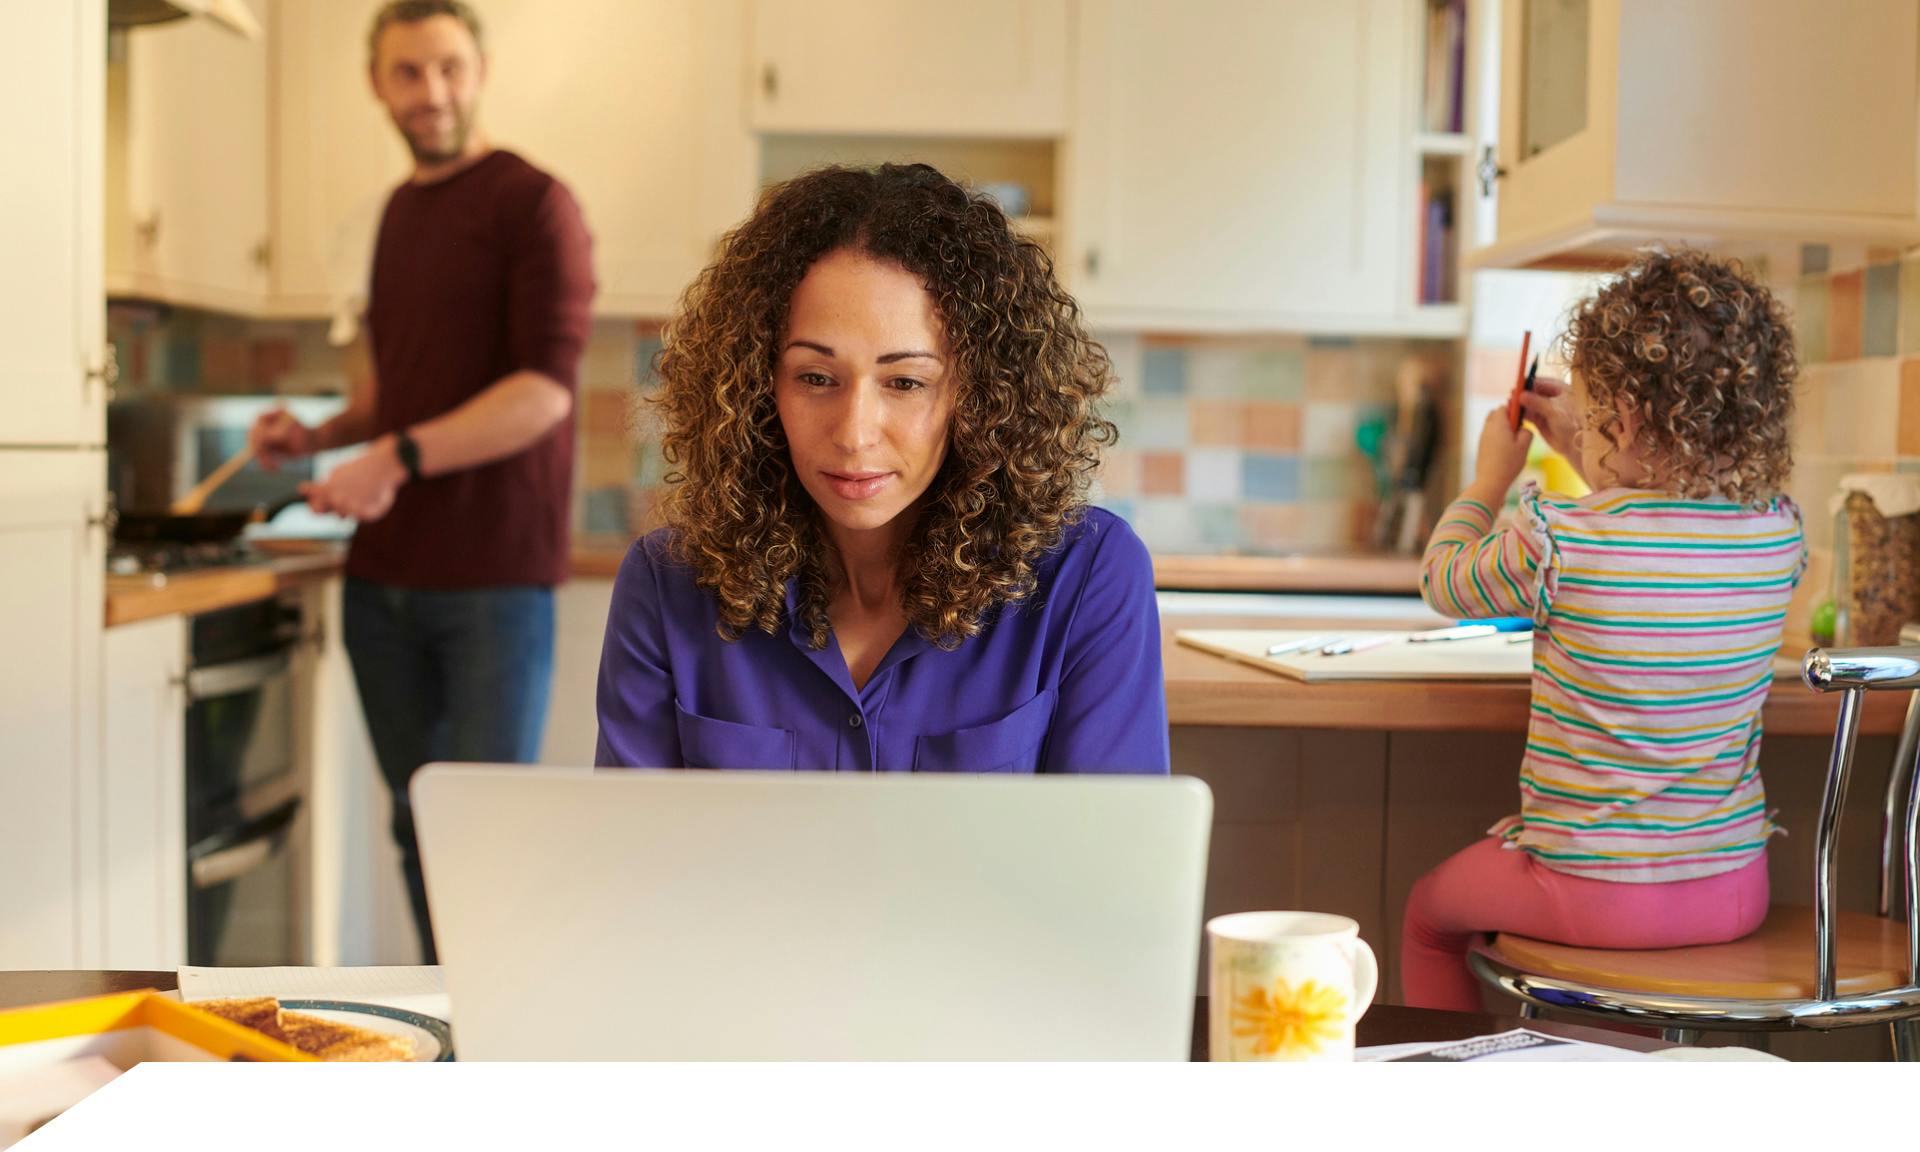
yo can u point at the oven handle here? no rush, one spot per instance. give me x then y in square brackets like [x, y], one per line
[263, 838]
[236, 677]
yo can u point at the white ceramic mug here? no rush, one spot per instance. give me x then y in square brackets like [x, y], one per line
[1286, 986]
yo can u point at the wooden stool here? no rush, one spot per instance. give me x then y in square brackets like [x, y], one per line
[1804, 967]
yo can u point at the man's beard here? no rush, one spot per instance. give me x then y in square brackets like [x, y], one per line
[431, 151]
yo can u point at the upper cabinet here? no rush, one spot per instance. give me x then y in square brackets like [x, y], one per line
[190, 224]
[57, 370]
[1623, 122]
[910, 67]
[335, 155]
[659, 155]
[1240, 166]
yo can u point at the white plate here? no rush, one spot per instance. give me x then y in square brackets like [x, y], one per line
[431, 1036]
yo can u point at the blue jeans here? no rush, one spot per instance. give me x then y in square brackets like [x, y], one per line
[447, 675]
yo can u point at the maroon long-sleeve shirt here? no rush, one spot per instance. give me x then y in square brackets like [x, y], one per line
[476, 277]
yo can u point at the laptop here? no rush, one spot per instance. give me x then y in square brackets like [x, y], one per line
[681, 915]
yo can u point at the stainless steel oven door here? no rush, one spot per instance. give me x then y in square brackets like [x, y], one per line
[240, 741]
[246, 893]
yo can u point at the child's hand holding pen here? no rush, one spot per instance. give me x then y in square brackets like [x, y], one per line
[1549, 408]
[1503, 453]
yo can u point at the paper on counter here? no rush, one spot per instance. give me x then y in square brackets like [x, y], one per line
[416, 988]
[1520, 1046]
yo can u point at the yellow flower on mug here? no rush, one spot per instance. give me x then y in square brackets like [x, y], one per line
[1286, 1020]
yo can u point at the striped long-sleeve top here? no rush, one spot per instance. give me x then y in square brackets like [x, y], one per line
[1656, 623]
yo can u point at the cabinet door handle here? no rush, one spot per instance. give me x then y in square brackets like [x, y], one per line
[769, 80]
[106, 373]
[1488, 170]
[263, 255]
[1093, 261]
[149, 229]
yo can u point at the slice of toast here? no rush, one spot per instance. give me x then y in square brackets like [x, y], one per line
[327, 1039]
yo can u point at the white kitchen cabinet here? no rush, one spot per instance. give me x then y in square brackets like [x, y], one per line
[195, 224]
[911, 67]
[1624, 122]
[143, 810]
[1244, 166]
[638, 107]
[52, 323]
[52, 559]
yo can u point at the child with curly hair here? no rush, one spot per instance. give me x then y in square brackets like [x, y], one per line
[1657, 603]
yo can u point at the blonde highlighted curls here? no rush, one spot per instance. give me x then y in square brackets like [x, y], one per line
[1706, 356]
[1024, 439]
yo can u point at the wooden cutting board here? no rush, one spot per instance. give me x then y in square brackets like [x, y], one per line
[1484, 658]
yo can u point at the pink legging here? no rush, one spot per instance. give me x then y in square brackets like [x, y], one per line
[1487, 888]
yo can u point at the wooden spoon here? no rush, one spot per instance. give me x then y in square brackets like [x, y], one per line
[191, 503]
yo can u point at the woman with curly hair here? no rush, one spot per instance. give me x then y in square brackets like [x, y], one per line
[1657, 604]
[881, 414]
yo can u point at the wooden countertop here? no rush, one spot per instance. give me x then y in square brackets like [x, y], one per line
[599, 558]
[1204, 690]
[131, 598]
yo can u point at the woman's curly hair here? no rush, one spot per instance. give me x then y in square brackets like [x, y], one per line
[1706, 356]
[1025, 435]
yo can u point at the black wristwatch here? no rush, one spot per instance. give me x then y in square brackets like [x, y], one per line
[409, 453]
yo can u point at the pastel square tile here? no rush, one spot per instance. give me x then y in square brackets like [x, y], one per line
[604, 465]
[1216, 370]
[1845, 305]
[1125, 353]
[1810, 320]
[1880, 316]
[1125, 509]
[1164, 371]
[1213, 474]
[1166, 525]
[1120, 474]
[1274, 374]
[272, 359]
[226, 365]
[1159, 423]
[1216, 423]
[649, 466]
[646, 358]
[1272, 478]
[1163, 474]
[1809, 431]
[1861, 405]
[1813, 259]
[1328, 429]
[1216, 525]
[608, 360]
[1910, 306]
[1272, 426]
[182, 361]
[604, 413]
[1907, 439]
[1326, 525]
[605, 511]
[1270, 528]
[1490, 371]
[1878, 255]
[1846, 258]
[1124, 414]
[1361, 515]
[1338, 478]
[1331, 371]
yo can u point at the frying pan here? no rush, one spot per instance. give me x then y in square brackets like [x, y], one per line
[199, 528]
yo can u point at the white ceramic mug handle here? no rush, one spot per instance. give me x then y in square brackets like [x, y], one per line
[1366, 975]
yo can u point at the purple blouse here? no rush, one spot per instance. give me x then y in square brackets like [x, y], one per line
[1066, 681]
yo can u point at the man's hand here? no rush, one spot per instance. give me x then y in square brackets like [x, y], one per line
[363, 488]
[277, 436]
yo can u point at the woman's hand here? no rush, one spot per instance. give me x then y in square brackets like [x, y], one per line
[1503, 453]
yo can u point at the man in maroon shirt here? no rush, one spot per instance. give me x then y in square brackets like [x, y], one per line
[478, 313]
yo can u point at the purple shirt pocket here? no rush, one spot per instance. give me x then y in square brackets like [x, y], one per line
[709, 743]
[1012, 743]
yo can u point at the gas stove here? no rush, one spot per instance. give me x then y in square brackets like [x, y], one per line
[159, 560]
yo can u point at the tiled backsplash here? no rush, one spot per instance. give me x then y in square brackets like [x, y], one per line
[1226, 445]
[1857, 326]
